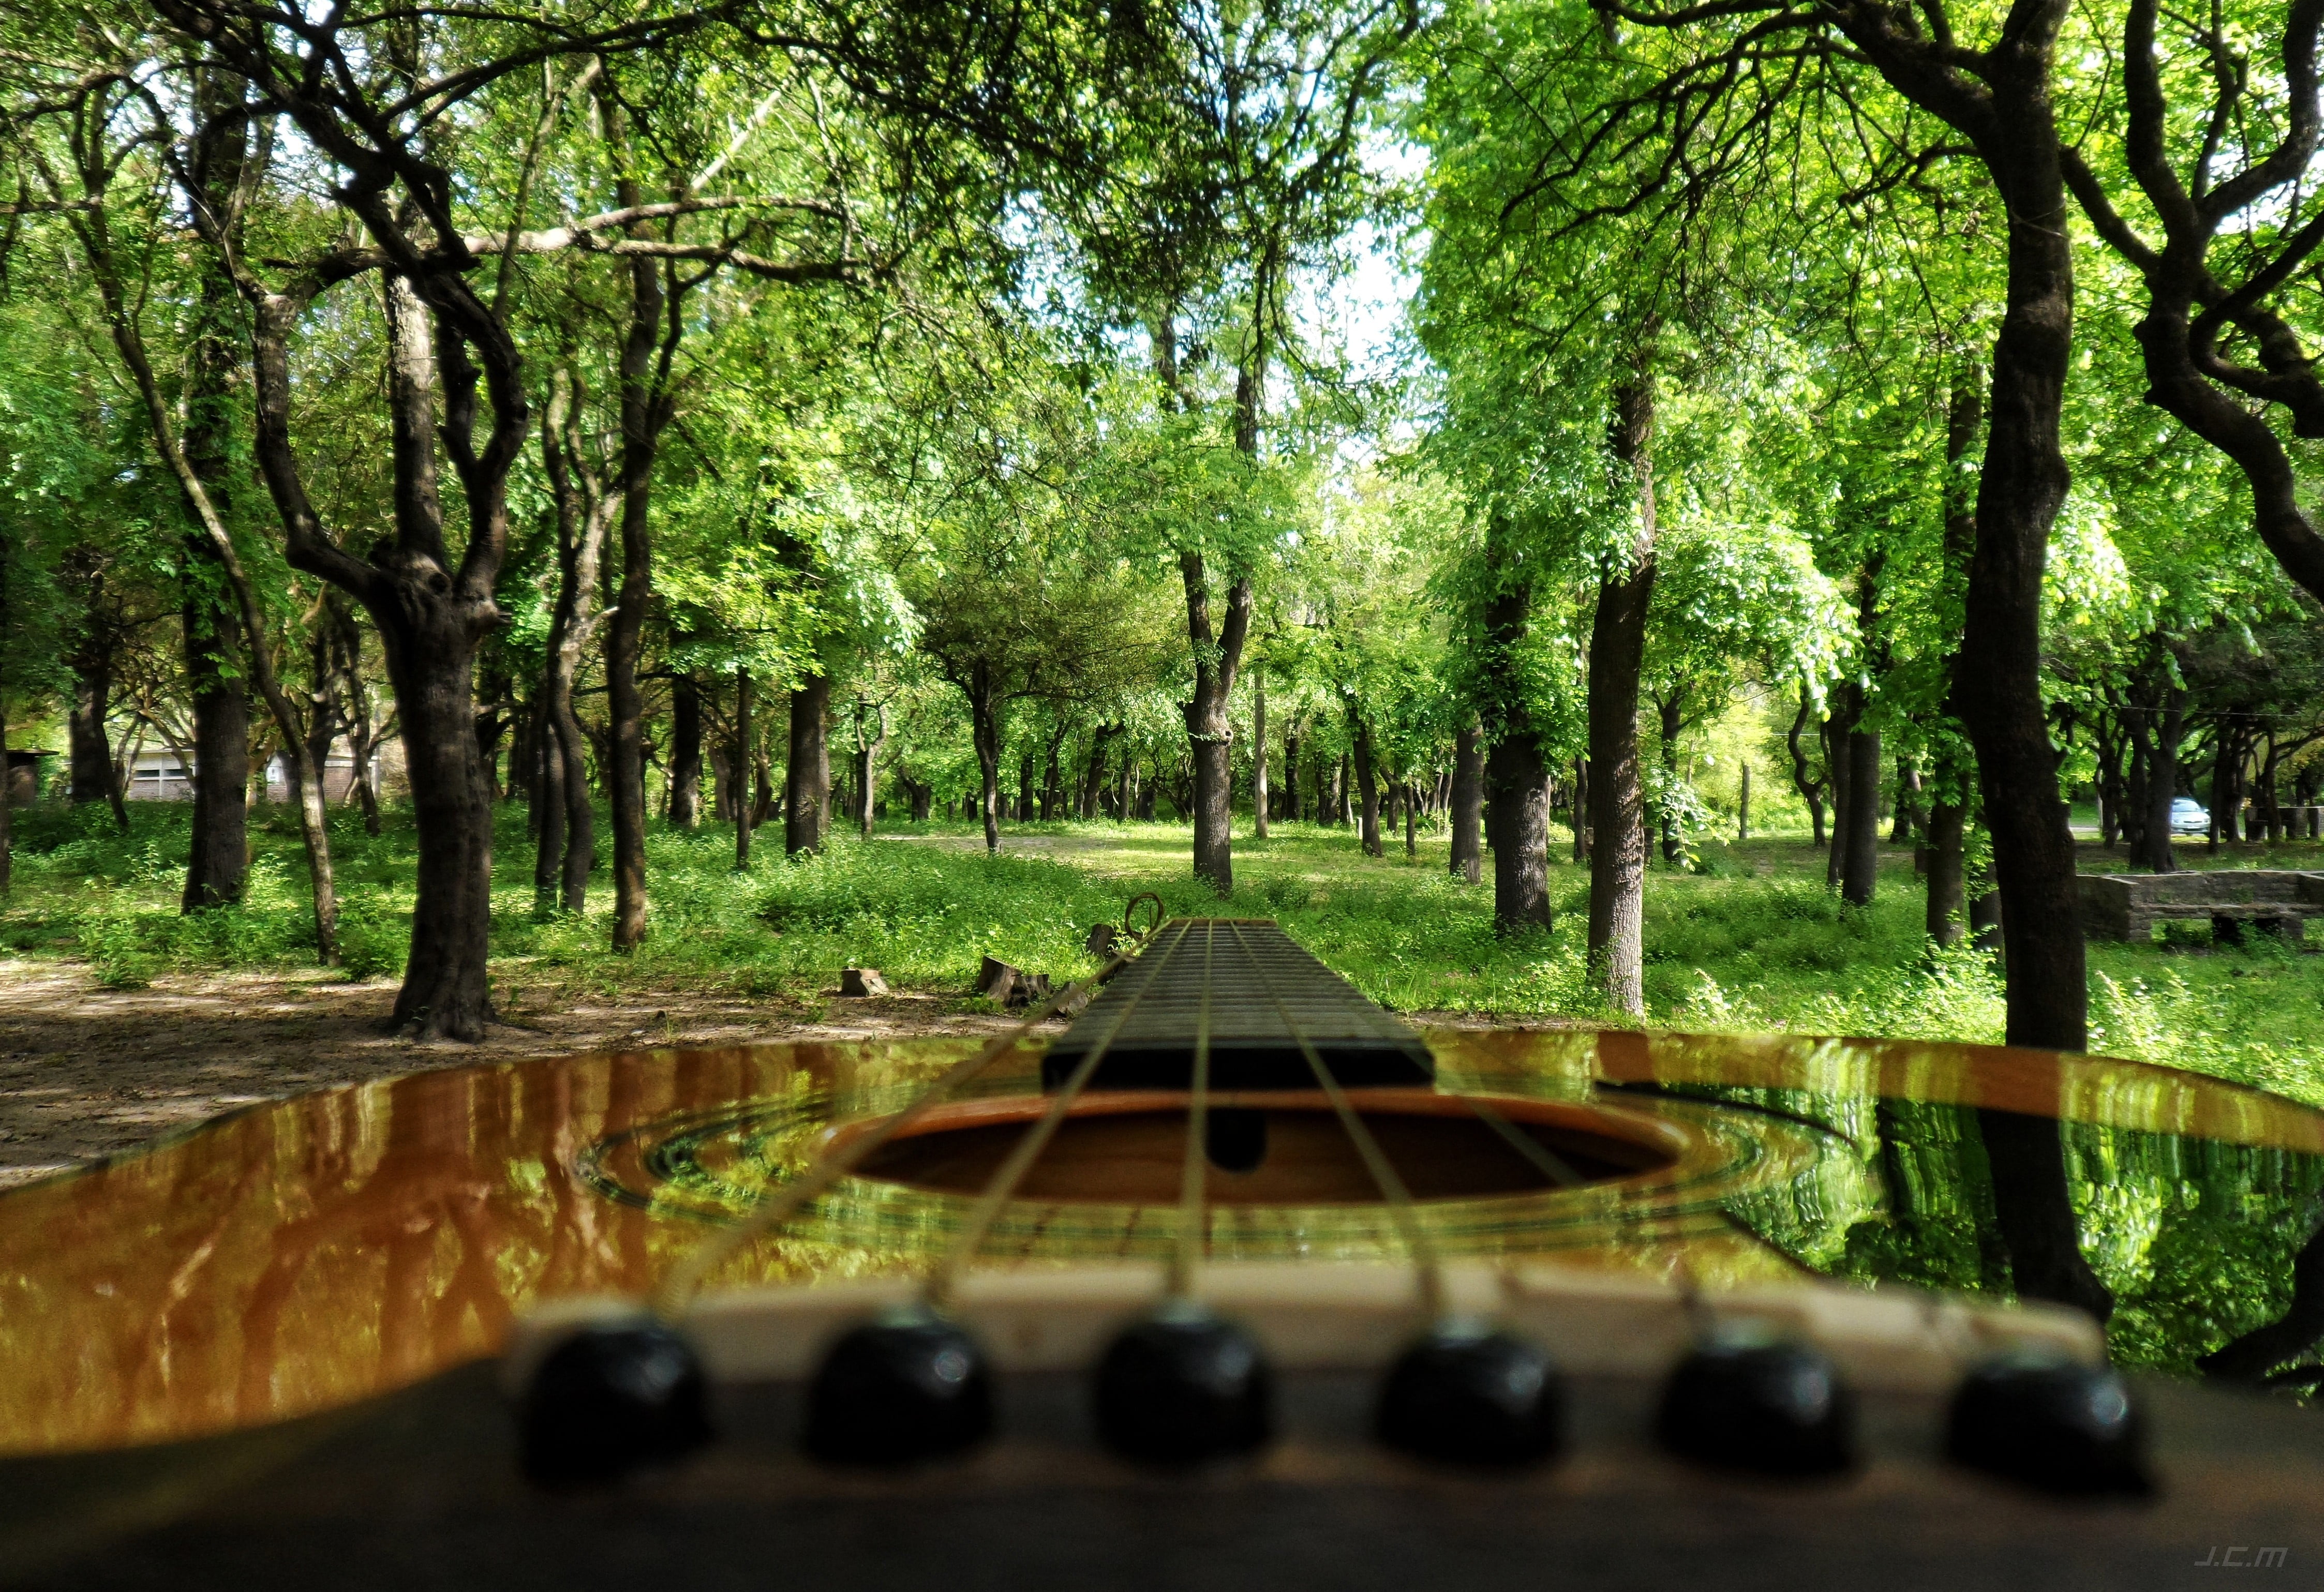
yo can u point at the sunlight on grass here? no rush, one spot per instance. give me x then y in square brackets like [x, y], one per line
[1753, 942]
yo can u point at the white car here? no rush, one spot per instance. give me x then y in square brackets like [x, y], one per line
[2187, 817]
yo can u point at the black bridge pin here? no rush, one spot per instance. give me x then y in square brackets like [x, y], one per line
[2053, 1424]
[908, 1386]
[610, 1399]
[1470, 1396]
[1753, 1402]
[1184, 1386]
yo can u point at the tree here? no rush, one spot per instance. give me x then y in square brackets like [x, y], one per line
[2221, 339]
[1998, 95]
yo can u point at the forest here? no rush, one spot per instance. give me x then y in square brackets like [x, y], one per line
[1709, 514]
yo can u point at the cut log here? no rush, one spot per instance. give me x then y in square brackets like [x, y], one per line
[862, 981]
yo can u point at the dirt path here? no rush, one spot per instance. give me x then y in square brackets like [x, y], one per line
[87, 1071]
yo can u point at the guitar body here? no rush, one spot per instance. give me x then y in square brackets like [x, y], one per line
[286, 1349]
[421, 1489]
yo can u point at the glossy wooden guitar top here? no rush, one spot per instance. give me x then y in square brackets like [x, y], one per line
[308, 1255]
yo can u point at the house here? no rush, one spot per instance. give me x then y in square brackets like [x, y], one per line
[158, 777]
[164, 777]
[338, 777]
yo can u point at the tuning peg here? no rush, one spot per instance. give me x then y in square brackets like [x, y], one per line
[1182, 1386]
[1758, 1404]
[608, 1399]
[1472, 1397]
[2054, 1424]
[908, 1386]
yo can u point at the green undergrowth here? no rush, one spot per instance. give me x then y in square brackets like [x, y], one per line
[1749, 938]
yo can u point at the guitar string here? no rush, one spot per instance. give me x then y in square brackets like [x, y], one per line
[936, 1292]
[1392, 1188]
[677, 1290]
[1193, 1229]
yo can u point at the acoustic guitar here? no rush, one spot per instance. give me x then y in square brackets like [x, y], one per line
[1237, 1280]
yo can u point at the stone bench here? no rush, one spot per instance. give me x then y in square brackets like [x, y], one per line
[2127, 906]
[2296, 822]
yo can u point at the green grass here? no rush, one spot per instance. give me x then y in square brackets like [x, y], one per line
[1750, 941]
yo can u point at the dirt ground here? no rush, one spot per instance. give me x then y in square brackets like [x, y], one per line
[87, 1071]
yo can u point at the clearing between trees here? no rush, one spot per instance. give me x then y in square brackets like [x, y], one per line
[120, 1018]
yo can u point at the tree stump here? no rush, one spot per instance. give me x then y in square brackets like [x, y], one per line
[861, 981]
[997, 980]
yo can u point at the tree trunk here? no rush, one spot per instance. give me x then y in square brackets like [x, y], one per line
[217, 856]
[568, 848]
[447, 992]
[1743, 808]
[2249, 1356]
[1513, 772]
[867, 766]
[742, 815]
[1668, 720]
[1577, 809]
[1339, 802]
[91, 746]
[1052, 777]
[1618, 638]
[218, 862]
[1999, 685]
[625, 779]
[2155, 849]
[729, 776]
[550, 810]
[7, 773]
[1948, 888]
[765, 804]
[2035, 1210]
[1291, 807]
[1468, 805]
[1411, 819]
[1258, 755]
[985, 731]
[223, 100]
[1209, 733]
[1513, 783]
[1843, 771]
[1811, 790]
[686, 752]
[1366, 781]
[807, 777]
[362, 730]
[1861, 873]
[1908, 793]
[1093, 773]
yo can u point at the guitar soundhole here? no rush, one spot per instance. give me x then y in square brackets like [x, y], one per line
[1235, 1138]
[1280, 1149]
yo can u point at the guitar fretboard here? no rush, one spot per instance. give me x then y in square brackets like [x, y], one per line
[1254, 995]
